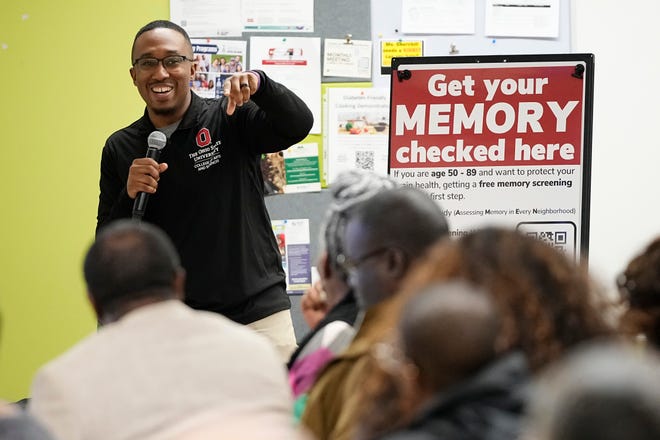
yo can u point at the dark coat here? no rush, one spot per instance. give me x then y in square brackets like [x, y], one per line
[345, 310]
[488, 406]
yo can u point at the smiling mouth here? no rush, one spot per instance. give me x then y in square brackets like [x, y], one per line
[161, 89]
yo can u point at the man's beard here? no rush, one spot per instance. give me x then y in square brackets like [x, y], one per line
[164, 111]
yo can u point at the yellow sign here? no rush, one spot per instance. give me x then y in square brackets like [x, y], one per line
[394, 49]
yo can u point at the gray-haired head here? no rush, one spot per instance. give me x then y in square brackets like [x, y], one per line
[349, 189]
[605, 392]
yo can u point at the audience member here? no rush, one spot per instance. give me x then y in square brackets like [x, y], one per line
[640, 289]
[604, 392]
[315, 304]
[335, 314]
[383, 237]
[236, 424]
[155, 361]
[548, 306]
[444, 374]
[16, 424]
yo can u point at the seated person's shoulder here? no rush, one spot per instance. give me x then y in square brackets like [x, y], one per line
[16, 424]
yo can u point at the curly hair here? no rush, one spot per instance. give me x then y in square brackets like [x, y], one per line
[548, 302]
[640, 288]
[547, 306]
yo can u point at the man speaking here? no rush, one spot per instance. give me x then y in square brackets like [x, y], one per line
[207, 191]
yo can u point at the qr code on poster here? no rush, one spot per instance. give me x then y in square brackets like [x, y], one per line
[560, 235]
[364, 160]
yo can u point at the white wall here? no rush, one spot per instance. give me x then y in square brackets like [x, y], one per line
[625, 190]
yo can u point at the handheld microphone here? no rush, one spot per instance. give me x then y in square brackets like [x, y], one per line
[156, 142]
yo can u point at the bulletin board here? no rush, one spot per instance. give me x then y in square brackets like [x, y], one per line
[498, 140]
[386, 26]
[379, 20]
[334, 19]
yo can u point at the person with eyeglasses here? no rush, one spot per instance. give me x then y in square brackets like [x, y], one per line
[383, 238]
[332, 314]
[207, 192]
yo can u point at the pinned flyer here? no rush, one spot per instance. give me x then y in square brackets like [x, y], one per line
[293, 170]
[347, 58]
[398, 49]
[292, 237]
[294, 62]
[357, 127]
[216, 60]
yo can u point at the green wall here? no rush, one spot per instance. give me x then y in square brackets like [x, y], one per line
[64, 87]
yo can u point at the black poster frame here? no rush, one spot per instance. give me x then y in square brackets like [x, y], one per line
[584, 70]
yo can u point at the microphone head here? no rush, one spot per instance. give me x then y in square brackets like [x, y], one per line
[157, 140]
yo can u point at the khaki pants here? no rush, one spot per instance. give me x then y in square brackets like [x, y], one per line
[278, 328]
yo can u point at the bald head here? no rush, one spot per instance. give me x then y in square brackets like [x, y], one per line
[448, 331]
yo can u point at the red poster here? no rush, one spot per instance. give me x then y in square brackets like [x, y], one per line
[487, 115]
[498, 140]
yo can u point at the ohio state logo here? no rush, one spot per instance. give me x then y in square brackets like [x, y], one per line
[203, 138]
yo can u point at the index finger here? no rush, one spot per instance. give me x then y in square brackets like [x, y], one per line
[238, 88]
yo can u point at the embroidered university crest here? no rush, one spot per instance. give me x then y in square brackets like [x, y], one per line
[203, 138]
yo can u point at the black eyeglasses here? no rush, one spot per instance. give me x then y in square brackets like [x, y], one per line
[351, 264]
[171, 62]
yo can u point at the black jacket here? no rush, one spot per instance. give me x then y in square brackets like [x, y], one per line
[345, 310]
[210, 199]
[488, 406]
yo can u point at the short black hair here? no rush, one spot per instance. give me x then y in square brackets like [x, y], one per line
[156, 24]
[129, 259]
[406, 217]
